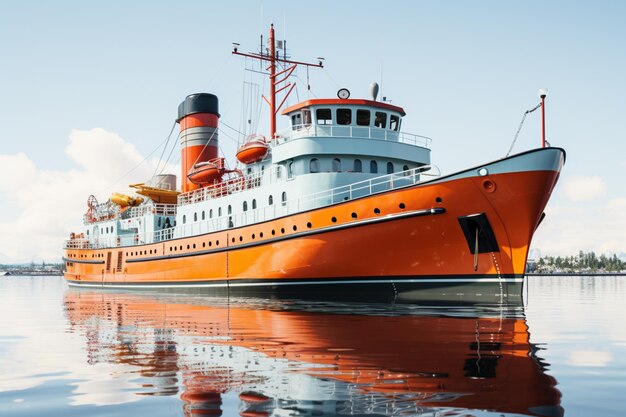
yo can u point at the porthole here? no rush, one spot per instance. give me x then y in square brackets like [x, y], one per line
[175, 248]
[210, 244]
[181, 247]
[354, 215]
[282, 230]
[309, 225]
[233, 240]
[438, 200]
[240, 238]
[334, 219]
[194, 245]
[217, 243]
[273, 232]
[295, 227]
[253, 236]
[402, 205]
[187, 247]
[203, 244]
[261, 234]
[376, 210]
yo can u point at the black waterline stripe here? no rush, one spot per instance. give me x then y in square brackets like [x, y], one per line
[81, 261]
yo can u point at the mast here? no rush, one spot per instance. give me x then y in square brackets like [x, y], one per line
[276, 78]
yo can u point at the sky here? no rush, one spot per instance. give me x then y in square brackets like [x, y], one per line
[89, 93]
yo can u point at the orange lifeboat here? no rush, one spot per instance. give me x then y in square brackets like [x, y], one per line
[204, 173]
[253, 150]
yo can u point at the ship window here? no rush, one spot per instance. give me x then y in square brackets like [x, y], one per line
[230, 209]
[363, 117]
[284, 198]
[278, 173]
[253, 204]
[184, 218]
[373, 167]
[358, 166]
[389, 168]
[245, 206]
[324, 117]
[344, 116]
[306, 117]
[314, 165]
[296, 121]
[203, 215]
[380, 120]
[394, 122]
[195, 217]
[158, 224]
[336, 165]
[405, 168]
[270, 200]
[290, 170]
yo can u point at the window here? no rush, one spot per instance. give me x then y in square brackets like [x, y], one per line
[373, 167]
[270, 200]
[306, 117]
[296, 121]
[253, 204]
[284, 198]
[394, 122]
[290, 170]
[389, 168]
[203, 215]
[195, 217]
[230, 209]
[324, 117]
[380, 120]
[211, 214]
[245, 206]
[363, 117]
[314, 165]
[336, 165]
[344, 116]
[358, 166]
[158, 224]
[184, 218]
[278, 172]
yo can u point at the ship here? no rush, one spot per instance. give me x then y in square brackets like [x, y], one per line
[342, 201]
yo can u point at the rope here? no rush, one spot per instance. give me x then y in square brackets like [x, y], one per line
[165, 147]
[526, 113]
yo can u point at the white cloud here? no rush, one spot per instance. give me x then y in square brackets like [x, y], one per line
[50, 203]
[579, 188]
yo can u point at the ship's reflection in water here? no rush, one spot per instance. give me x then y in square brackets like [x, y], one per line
[292, 358]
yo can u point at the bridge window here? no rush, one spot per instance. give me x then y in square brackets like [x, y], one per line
[363, 117]
[380, 120]
[358, 166]
[344, 116]
[296, 121]
[394, 122]
[314, 165]
[373, 167]
[306, 117]
[336, 165]
[324, 117]
[389, 168]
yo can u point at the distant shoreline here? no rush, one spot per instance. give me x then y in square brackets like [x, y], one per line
[577, 274]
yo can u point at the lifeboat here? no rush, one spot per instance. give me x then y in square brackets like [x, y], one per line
[253, 150]
[204, 173]
[123, 200]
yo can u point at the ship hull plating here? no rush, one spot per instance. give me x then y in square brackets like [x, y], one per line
[466, 233]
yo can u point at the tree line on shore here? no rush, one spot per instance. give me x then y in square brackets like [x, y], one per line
[582, 262]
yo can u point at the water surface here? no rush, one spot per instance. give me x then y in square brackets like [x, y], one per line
[96, 353]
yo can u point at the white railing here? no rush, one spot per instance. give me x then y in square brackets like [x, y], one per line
[278, 209]
[361, 132]
[159, 209]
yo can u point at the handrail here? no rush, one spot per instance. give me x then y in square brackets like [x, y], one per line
[361, 132]
[278, 209]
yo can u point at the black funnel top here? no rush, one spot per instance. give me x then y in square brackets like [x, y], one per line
[198, 103]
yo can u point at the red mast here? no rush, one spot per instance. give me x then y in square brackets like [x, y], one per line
[276, 78]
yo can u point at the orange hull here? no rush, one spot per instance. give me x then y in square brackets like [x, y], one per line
[488, 362]
[405, 235]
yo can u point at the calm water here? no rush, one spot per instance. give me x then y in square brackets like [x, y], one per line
[89, 353]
